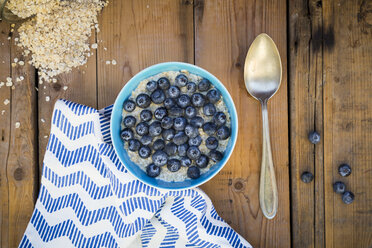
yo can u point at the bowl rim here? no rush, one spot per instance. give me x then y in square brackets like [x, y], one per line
[231, 111]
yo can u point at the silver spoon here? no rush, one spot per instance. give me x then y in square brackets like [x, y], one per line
[262, 76]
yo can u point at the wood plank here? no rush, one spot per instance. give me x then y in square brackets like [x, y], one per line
[138, 34]
[19, 171]
[347, 99]
[229, 27]
[306, 115]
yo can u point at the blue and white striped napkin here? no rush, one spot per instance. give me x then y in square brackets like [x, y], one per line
[88, 199]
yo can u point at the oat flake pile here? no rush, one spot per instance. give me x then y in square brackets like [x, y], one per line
[57, 36]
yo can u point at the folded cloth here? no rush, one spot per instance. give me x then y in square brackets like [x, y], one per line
[88, 199]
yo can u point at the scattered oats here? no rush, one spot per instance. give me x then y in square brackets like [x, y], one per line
[3, 62]
[12, 30]
[13, 87]
[16, 39]
[42, 120]
[9, 37]
[21, 77]
[108, 62]
[17, 124]
[14, 64]
[65, 87]
[94, 45]
[113, 62]
[12, 25]
[105, 48]
[21, 63]
[18, 79]
[46, 136]
[2, 43]
[6, 102]
[9, 84]
[36, 89]
[54, 80]
[147, 6]
[15, 60]
[96, 26]
[2, 112]
[26, 52]
[9, 79]
[1, 84]
[47, 98]
[44, 87]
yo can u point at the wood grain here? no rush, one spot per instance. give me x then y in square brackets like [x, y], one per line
[229, 27]
[138, 34]
[347, 32]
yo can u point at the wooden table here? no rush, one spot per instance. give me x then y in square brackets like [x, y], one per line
[326, 49]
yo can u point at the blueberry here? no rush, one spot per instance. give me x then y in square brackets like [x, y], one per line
[204, 85]
[197, 100]
[170, 149]
[155, 128]
[209, 109]
[167, 122]
[146, 115]
[213, 95]
[196, 141]
[174, 91]
[127, 134]
[182, 149]
[163, 83]
[159, 158]
[307, 177]
[211, 143]
[223, 133]
[179, 123]
[143, 100]
[347, 197]
[129, 105]
[314, 137]
[191, 87]
[344, 170]
[176, 111]
[191, 131]
[133, 145]
[202, 161]
[193, 172]
[129, 121]
[180, 138]
[209, 128]
[159, 144]
[144, 152]
[173, 165]
[193, 152]
[151, 85]
[190, 112]
[158, 96]
[183, 101]
[181, 80]
[153, 170]
[146, 140]
[339, 187]
[219, 118]
[215, 155]
[197, 121]
[168, 134]
[160, 113]
[142, 128]
[169, 102]
[185, 161]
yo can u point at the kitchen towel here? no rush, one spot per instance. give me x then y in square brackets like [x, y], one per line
[88, 199]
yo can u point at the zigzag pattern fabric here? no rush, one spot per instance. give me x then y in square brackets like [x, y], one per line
[88, 199]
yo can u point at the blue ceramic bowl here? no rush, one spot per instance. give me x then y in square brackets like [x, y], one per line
[116, 119]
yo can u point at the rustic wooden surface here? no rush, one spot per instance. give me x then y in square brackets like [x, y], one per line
[329, 90]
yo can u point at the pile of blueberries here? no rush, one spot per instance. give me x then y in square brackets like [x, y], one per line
[175, 125]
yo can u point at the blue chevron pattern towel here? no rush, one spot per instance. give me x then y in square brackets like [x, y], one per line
[88, 199]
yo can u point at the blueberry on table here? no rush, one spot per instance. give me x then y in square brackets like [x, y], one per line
[169, 102]
[190, 112]
[339, 187]
[159, 144]
[191, 87]
[163, 83]
[157, 96]
[219, 118]
[197, 121]
[146, 140]
[202, 161]
[160, 113]
[347, 197]
[146, 115]
[213, 95]
[134, 145]
[159, 158]
[167, 122]
[129, 121]
[182, 149]
[223, 133]
[155, 128]
[196, 141]
[179, 123]
[176, 111]
[197, 100]
[204, 85]
[307, 177]
[168, 134]
[215, 155]
[185, 161]
[151, 85]
[211, 143]
[183, 101]
[193, 152]
[152, 170]
[143, 100]
[170, 149]
[127, 134]
[193, 172]
[209, 128]
[174, 91]
[191, 131]
[173, 165]
[129, 105]
[209, 109]
[144, 152]
[314, 137]
[142, 128]
[181, 80]
[344, 170]
[180, 138]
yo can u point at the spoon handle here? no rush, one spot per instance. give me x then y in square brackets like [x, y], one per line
[268, 188]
